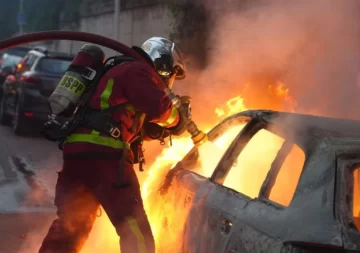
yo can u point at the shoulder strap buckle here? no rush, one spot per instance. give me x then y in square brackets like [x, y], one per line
[114, 132]
[90, 75]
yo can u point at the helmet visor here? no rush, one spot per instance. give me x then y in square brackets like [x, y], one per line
[179, 65]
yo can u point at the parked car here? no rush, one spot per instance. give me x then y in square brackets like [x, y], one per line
[25, 95]
[18, 51]
[286, 183]
[8, 66]
[9, 58]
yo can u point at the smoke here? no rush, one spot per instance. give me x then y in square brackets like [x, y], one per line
[310, 46]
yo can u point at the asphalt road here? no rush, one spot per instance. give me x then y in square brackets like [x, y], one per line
[28, 168]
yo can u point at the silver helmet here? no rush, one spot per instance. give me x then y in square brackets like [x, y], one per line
[166, 57]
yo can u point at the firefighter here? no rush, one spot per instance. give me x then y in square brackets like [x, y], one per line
[98, 167]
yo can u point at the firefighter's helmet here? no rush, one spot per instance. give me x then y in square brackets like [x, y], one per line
[166, 56]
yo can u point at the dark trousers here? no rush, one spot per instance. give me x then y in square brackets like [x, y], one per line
[81, 187]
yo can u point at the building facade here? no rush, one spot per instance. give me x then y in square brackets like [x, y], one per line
[138, 20]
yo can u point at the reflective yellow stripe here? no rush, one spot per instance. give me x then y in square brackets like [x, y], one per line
[94, 132]
[131, 108]
[173, 115]
[105, 95]
[94, 138]
[134, 227]
[142, 117]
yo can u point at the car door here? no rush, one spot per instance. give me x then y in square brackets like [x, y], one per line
[185, 188]
[206, 228]
[230, 197]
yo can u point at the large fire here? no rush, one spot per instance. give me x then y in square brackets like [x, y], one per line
[166, 221]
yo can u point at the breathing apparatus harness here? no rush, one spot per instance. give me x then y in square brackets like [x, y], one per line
[99, 120]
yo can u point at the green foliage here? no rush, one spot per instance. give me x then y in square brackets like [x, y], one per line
[191, 29]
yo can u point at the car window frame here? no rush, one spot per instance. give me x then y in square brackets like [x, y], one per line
[193, 155]
[230, 156]
[345, 168]
[345, 164]
[237, 146]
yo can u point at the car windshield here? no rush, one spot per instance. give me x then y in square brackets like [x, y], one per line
[58, 66]
[10, 60]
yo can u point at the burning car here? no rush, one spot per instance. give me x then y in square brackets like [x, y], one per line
[284, 182]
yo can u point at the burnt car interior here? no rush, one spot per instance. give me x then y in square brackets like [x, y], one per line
[279, 160]
[280, 166]
[275, 175]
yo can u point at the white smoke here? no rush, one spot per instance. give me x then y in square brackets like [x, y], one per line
[311, 45]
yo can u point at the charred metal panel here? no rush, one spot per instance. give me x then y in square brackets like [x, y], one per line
[222, 220]
[302, 124]
[196, 224]
[309, 217]
[312, 203]
[246, 239]
[351, 236]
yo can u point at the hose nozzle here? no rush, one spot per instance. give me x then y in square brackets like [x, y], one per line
[198, 137]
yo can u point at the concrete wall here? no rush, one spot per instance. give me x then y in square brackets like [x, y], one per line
[136, 25]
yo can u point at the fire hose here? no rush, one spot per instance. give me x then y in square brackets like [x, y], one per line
[197, 135]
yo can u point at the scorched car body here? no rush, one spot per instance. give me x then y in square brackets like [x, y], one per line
[319, 217]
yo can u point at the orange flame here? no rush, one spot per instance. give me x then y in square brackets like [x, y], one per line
[166, 220]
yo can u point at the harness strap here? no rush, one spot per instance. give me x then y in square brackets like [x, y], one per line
[95, 138]
[102, 121]
[87, 73]
[121, 181]
[96, 156]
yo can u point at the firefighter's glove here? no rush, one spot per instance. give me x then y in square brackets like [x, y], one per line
[154, 131]
[184, 116]
[186, 104]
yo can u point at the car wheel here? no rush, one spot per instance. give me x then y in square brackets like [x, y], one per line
[19, 121]
[5, 119]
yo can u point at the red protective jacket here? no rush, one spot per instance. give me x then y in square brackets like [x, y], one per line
[133, 83]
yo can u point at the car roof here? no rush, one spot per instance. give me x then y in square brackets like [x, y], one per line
[40, 51]
[303, 124]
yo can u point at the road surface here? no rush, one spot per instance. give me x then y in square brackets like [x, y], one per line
[28, 168]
